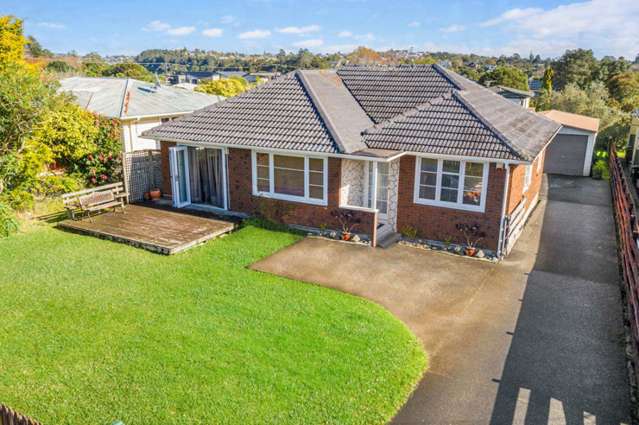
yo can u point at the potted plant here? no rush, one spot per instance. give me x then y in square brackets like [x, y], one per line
[348, 221]
[155, 194]
[472, 234]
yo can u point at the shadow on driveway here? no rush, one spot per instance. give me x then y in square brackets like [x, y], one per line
[536, 339]
[566, 362]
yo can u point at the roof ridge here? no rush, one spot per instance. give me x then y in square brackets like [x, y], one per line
[406, 114]
[124, 93]
[444, 73]
[460, 96]
[323, 113]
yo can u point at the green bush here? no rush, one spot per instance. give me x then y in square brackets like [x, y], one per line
[8, 222]
[600, 170]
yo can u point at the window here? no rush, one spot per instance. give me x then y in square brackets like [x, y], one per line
[527, 176]
[290, 177]
[450, 183]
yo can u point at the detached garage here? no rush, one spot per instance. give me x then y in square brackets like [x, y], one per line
[570, 152]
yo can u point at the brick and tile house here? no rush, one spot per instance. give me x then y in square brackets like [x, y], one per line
[405, 148]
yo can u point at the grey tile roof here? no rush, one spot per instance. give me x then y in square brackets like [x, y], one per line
[108, 97]
[278, 114]
[385, 91]
[444, 126]
[341, 113]
[416, 108]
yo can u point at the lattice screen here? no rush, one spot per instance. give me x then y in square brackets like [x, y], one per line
[143, 172]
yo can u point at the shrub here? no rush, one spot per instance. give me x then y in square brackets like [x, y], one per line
[600, 170]
[409, 232]
[8, 222]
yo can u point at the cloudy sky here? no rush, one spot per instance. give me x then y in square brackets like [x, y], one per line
[546, 27]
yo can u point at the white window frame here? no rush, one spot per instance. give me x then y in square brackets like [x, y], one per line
[271, 174]
[528, 174]
[459, 205]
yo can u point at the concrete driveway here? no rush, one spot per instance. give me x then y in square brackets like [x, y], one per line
[536, 339]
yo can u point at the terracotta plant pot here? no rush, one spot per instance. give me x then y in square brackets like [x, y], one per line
[346, 236]
[470, 251]
[155, 194]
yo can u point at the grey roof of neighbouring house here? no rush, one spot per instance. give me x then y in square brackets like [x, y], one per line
[511, 92]
[128, 98]
[401, 108]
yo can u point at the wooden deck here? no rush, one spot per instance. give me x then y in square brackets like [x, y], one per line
[159, 230]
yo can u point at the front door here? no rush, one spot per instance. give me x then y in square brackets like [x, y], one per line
[180, 186]
[382, 191]
[381, 171]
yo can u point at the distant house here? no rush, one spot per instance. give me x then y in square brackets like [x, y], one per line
[535, 85]
[193, 77]
[520, 97]
[138, 105]
[416, 149]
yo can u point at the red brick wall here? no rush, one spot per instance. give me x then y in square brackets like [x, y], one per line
[517, 175]
[242, 199]
[166, 171]
[438, 223]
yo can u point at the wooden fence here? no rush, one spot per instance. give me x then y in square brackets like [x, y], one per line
[625, 209]
[9, 416]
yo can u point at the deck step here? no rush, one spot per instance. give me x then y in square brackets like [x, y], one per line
[388, 239]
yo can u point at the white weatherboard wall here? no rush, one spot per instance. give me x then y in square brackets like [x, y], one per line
[131, 130]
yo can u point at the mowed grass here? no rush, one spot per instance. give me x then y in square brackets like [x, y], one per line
[92, 331]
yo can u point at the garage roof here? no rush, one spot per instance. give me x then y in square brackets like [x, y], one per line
[568, 119]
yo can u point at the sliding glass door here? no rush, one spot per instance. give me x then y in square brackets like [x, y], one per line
[207, 176]
[180, 186]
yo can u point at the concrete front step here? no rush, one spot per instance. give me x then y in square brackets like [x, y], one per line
[388, 239]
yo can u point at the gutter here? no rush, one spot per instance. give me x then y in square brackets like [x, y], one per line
[334, 155]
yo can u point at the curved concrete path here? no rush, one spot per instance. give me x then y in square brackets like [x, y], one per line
[536, 339]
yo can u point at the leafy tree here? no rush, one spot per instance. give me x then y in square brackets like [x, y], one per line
[128, 70]
[36, 50]
[60, 67]
[364, 56]
[68, 131]
[506, 76]
[594, 102]
[470, 73]
[93, 69]
[549, 73]
[227, 87]
[12, 40]
[575, 67]
[609, 67]
[624, 89]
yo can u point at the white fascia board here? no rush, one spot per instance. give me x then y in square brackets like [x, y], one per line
[340, 155]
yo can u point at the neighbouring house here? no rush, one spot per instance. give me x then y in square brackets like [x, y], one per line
[520, 97]
[137, 104]
[570, 152]
[412, 149]
[193, 77]
[535, 85]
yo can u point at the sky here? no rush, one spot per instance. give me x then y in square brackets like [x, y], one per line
[490, 27]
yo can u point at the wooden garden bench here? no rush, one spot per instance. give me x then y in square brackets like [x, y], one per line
[95, 199]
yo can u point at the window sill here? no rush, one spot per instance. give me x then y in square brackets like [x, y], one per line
[291, 198]
[451, 205]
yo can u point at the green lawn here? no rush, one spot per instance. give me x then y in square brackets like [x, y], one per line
[93, 331]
